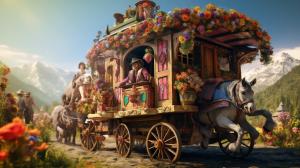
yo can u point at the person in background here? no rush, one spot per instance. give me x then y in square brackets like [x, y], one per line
[29, 103]
[11, 108]
[21, 103]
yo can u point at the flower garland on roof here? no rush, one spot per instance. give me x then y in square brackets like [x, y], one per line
[193, 21]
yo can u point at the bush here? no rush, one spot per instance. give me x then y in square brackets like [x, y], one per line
[20, 145]
[286, 135]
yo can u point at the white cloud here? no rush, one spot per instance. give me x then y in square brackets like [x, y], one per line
[14, 57]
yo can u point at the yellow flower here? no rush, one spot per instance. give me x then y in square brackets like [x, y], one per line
[211, 6]
[181, 39]
[259, 130]
[197, 9]
[242, 22]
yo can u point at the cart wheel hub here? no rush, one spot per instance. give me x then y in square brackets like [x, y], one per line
[121, 139]
[159, 144]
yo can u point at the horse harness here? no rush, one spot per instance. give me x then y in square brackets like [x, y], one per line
[237, 102]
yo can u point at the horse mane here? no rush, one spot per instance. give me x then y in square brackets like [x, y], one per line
[231, 90]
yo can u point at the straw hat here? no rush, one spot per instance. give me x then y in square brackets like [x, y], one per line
[20, 92]
[27, 93]
[135, 60]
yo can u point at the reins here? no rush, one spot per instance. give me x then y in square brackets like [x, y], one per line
[66, 117]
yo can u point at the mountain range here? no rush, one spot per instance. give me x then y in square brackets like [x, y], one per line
[286, 90]
[46, 82]
[267, 75]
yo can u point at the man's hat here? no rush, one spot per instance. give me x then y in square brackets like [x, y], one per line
[27, 94]
[20, 92]
[134, 60]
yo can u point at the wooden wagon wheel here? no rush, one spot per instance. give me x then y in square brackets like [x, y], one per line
[247, 143]
[163, 142]
[123, 140]
[88, 136]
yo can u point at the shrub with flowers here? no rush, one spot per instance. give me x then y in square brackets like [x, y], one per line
[8, 105]
[284, 117]
[295, 123]
[20, 145]
[194, 20]
[188, 80]
[286, 133]
[43, 122]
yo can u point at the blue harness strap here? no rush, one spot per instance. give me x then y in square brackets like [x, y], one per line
[221, 92]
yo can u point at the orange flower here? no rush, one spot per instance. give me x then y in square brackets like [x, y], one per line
[185, 17]
[207, 15]
[267, 37]
[184, 74]
[3, 155]
[12, 130]
[34, 132]
[42, 147]
[259, 34]
[31, 143]
[178, 77]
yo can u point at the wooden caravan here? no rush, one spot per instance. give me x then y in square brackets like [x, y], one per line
[214, 43]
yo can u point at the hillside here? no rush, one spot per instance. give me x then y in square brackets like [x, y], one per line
[15, 84]
[287, 89]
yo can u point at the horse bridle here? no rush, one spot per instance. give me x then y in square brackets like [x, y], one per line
[69, 117]
[239, 103]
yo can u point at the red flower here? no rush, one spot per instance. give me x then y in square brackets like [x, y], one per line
[259, 34]
[146, 4]
[226, 17]
[185, 17]
[3, 155]
[12, 130]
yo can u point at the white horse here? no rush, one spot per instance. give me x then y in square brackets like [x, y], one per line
[233, 117]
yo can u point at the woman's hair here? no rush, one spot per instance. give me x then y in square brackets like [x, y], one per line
[81, 63]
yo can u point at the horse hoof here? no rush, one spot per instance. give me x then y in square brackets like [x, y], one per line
[232, 147]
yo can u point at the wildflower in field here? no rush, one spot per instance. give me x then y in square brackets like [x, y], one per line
[12, 130]
[3, 155]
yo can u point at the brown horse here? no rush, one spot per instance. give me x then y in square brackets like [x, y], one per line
[65, 123]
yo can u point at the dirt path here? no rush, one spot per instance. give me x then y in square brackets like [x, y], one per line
[191, 157]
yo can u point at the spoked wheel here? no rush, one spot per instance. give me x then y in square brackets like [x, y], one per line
[123, 140]
[163, 142]
[247, 143]
[88, 137]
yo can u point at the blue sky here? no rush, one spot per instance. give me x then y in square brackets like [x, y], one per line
[61, 31]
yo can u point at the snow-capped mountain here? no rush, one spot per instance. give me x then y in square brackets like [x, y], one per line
[266, 75]
[48, 79]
